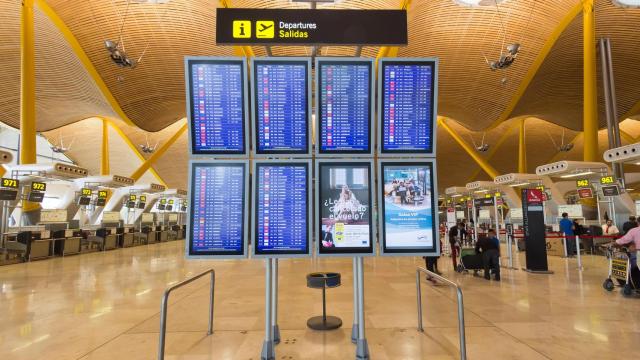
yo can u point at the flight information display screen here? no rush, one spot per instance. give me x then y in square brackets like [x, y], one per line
[217, 220]
[344, 204]
[282, 208]
[344, 96]
[217, 106]
[281, 106]
[407, 106]
[408, 207]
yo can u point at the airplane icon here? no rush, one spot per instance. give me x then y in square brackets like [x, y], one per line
[265, 29]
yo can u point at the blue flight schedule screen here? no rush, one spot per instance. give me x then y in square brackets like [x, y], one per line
[345, 106]
[217, 215]
[407, 107]
[217, 107]
[281, 107]
[282, 209]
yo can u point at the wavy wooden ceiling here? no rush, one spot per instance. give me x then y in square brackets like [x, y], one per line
[152, 95]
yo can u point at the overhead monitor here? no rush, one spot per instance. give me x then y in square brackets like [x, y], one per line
[8, 194]
[281, 106]
[407, 114]
[218, 209]
[282, 208]
[36, 196]
[101, 201]
[161, 206]
[169, 208]
[344, 106]
[217, 105]
[141, 205]
[84, 200]
[344, 202]
[131, 204]
[408, 217]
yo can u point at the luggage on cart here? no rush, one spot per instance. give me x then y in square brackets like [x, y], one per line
[621, 270]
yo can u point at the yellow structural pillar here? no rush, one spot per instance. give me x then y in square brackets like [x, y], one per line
[590, 89]
[2, 170]
[157, 154]
[27, 85]
[522, 149]
[104, 159]
[474, 155]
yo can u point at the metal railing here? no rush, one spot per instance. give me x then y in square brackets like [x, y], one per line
[463, 341]
[165, 304]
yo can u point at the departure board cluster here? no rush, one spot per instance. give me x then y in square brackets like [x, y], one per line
[217, 209]
[217, 107]
[281, 106]
[282, 208]
[344, 106]
[407, 107]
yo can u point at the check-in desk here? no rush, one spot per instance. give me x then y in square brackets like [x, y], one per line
[146, 235]
[105, 238]
[66, 242]
[163, 233]
[174, 232]
[33, 245]
[125, 236]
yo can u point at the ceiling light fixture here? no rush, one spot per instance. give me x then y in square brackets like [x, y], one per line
[577, 174]
[519, 184]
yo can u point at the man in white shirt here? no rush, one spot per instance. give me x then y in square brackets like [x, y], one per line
[610, 229]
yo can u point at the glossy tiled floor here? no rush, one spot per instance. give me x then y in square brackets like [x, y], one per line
[106, 305]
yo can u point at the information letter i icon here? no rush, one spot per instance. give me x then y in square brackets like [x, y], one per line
[241, 29]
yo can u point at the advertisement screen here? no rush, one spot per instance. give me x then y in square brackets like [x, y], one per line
[344, 105]
[407, 101]
[282, 208]
[281, 106]
[217, 106]
[218, 209]
[344, 205]
[408, 207]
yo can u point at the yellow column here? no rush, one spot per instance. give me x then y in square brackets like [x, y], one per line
[157, 154]
[104, 163]
[474, 155]
[27, 85]
[522, 149]
[2, 170]
[590, 90]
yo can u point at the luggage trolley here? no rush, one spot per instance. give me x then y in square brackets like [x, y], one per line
[472, 262]
[620, 270]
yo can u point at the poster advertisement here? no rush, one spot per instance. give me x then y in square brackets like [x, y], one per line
[345, 207]
[408, 212]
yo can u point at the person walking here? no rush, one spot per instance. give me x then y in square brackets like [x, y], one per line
[456, 235]
[566, 227]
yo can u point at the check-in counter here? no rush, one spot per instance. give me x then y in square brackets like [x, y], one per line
[152, 234]
[125, 237]
[66, 242]
[105, 238]
[163, 234]
[174, 232]
[34, 245]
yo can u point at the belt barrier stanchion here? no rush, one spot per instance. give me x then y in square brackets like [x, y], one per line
[510, 250]
[268, 352]
[354, 328]
[578, 252]
[564, 241]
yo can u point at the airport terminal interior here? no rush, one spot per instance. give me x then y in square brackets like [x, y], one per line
[319, 179]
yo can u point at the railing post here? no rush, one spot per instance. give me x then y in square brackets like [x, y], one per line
[460, 301]
[165, 304]
[212, 287]
[419, 292]
[163, 324]
[461, 330]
